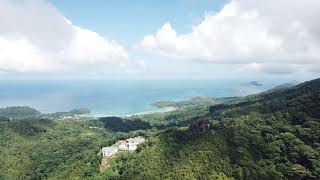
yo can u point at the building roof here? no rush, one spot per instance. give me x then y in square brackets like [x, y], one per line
[111, 148]
[136, 140]
[130, 144]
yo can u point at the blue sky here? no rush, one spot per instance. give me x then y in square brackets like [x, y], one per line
[129, 21]
[160, 39]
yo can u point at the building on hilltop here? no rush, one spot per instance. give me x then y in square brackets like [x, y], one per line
[109, 151]
[130, 144]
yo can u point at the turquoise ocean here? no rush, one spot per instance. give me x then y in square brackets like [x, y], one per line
[119, 97]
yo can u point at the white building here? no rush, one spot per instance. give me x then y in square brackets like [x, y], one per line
[109, 151]
[123, 145]
[130, 144]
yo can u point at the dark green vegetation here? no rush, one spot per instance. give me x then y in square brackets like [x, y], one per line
[192, 103]
[121, 125]
[18, 112]
[272, 135]
[185, 112]
[46, 149]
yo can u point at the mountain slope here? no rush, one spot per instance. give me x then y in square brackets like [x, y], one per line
[272, 135]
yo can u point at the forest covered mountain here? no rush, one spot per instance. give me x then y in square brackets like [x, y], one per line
[272, 135]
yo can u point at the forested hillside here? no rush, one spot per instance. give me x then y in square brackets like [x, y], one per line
[273, 135]
[18, 112]
[47, 149]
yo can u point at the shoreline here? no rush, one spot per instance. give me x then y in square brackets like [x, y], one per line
[159, 110]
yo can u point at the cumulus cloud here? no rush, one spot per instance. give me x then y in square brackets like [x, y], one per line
[265, 35]
[36, 37]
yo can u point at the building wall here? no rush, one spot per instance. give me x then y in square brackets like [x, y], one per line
[109, 152]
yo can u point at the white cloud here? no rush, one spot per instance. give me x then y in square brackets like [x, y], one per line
[89, 47]
[35, 37]
[278, 32]
[273, 68]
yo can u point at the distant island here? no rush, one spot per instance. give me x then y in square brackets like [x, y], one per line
[252, 83]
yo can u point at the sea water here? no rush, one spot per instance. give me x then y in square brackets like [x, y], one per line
[118, 97]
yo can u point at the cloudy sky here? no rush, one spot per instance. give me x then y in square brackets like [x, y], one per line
[169, 38]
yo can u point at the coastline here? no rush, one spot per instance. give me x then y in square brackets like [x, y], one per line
[159, 110]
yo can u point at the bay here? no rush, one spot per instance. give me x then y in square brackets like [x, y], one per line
[119, 97]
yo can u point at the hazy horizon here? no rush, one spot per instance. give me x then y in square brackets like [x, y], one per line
[121, 97]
